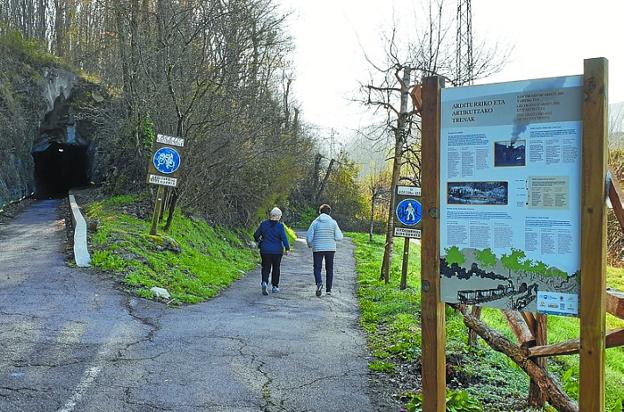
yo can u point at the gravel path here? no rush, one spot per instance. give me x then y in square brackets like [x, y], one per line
[71, 341]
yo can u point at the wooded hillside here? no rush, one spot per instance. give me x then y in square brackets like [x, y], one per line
[212, 72]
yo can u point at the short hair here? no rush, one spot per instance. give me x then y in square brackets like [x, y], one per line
[275, 214]
[325, 208]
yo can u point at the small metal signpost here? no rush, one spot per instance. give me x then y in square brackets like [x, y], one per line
[408, 211]
[164, 164]
[163, 169]
[407, 222]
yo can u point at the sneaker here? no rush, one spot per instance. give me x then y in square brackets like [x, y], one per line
[319, 290]
[264, 288]
[328, 293]
[275, 289]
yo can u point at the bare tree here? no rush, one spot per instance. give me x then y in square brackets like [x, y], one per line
[393, 91]
[377, 185]
[206, 70]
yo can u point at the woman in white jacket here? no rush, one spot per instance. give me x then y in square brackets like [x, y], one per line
[321, 237]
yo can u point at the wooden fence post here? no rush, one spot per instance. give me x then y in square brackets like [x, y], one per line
[537, 397]
[593, 235]
[433, 316]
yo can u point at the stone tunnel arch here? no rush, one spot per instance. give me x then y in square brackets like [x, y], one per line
[62, 154]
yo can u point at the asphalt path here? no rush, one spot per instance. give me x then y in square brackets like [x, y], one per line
[71, 340]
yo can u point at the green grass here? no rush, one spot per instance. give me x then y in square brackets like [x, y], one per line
[615, 278]
[291, 235]
[211, 258]
[30, 50]
[391, 320]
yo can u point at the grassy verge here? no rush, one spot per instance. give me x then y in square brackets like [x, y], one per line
[193, 261]
[291, 235]
[391, 320]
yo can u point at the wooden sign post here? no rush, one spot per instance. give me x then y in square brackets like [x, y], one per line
[433, 316]
[593, 235]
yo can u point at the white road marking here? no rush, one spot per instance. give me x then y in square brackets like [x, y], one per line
[91, 373]
[87, 379]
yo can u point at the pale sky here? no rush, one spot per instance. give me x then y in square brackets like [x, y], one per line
[548, 38]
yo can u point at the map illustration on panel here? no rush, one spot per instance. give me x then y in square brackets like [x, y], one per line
[510, 281]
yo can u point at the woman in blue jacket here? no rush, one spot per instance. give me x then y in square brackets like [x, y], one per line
[272, 238]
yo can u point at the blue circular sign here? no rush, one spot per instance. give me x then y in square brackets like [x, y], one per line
[166, 160]
[409, 212]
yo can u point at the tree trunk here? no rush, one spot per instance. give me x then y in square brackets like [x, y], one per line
[134, 64]
[399, 139]
[59, 33]
[389, 245]
[121, 45]
[372, 218]
[172, 206]
[286, 105]
[175, 195]
[68, 32]
[325, 179]
[41, 21]
[164, 203]
[472, 335]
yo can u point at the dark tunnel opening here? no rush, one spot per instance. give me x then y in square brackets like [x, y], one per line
[59, 168]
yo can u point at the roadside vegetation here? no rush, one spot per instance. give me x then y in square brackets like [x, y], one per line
[193, 261]
[479, 378]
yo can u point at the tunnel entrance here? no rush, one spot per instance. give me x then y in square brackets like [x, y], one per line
[60, 168]
[62, 151]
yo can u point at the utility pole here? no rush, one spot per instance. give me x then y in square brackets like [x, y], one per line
[463, 55]
[464, 65]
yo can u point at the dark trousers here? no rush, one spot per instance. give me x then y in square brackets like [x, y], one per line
[329, 268]
[271, 261]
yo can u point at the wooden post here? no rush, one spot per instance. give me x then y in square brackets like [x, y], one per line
[472, 335]
[593, 235]
[525, 336]
[615, 303]
[433, 316]
[405, 265]
[156, 216]
[537, 397]
[530, 319]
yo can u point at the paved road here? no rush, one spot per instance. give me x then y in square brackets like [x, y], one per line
[71, 341]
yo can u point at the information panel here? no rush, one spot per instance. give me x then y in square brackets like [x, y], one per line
[510, 172]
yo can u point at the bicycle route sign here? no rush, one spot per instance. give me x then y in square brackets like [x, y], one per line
[164, 164]
[408, 212]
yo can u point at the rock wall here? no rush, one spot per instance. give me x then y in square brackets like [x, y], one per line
[55, 90]
[21, 109]
[39, 106]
